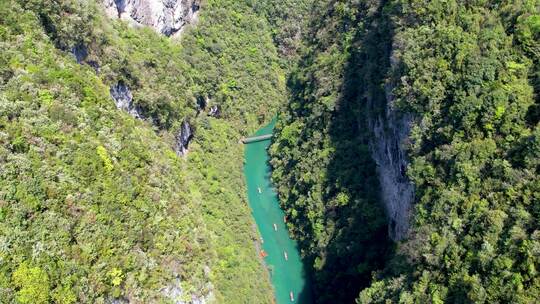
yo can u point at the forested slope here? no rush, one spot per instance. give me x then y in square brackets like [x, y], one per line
[464, 76]
[95, 205]
[144, 201]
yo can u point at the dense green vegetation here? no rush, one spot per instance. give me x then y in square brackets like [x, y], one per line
[94, 204]
[322, 165]
[290, 23]
[471, 76]
[468, 72]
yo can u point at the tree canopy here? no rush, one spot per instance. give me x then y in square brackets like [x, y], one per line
[467, 72]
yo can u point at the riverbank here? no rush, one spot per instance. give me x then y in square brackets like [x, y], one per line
[281, 254]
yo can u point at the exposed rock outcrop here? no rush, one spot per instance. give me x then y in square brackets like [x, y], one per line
[117, 301]
[202, 104]
[124, 99]
[177, 295]
[387, 150]
[215, 111]
[80, 52]
[390, 133]
[168, 17]
[183, 138]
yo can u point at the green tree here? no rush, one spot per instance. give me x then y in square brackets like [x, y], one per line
[32, 283]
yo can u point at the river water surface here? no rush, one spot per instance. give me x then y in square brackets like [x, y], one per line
[288, 273]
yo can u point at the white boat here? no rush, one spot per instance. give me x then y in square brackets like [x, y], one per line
[275, 227]
[292, 296]
[285, 254]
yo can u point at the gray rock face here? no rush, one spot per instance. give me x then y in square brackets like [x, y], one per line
[168, 17]
[388, 152]
[183, 138]
[80, 52]
[390, 133]
[124, 99]
[117, 301]
[177, 295]
[212, 111]
[202, 102]
[215, 111]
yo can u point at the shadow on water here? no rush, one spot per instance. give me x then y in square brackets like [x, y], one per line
[304, 296]
[359, 242]
[288, 273]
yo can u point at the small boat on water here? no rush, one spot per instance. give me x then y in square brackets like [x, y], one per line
[259, 189]
[275, 227]
[292, 296]
[285, 255]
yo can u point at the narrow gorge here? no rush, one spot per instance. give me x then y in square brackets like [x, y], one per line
[399, 160]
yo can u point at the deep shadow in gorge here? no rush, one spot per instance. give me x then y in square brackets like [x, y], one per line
[360, 243]
[304, 296]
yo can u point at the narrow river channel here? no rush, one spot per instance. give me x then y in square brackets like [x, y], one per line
[280, 252]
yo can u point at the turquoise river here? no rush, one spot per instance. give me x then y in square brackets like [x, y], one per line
[280, 252]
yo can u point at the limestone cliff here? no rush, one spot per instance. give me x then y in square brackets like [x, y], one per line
[387, 149]
[390, 132]
[168, 17]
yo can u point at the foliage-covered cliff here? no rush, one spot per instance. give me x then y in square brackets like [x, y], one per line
[95, 205]
[407, 152]
[461, 80]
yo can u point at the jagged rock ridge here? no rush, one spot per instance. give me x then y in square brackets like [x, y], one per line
[168, 17]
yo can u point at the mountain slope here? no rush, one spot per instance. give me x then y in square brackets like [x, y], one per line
[460, 80]
[99, 202]
[90, 197]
